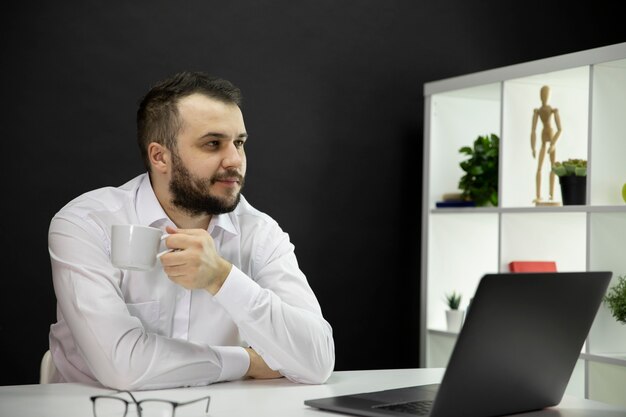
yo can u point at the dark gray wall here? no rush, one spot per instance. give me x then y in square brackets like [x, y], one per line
[333, 104]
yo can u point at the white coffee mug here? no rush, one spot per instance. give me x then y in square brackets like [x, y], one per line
[136, 247]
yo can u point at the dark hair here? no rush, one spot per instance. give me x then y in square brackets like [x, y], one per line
[157, 117]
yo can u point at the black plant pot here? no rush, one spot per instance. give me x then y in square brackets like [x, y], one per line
[573, 190]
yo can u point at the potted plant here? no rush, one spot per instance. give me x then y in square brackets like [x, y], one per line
[616, 299]
[572, 175]
[480, 181]
[454, 316]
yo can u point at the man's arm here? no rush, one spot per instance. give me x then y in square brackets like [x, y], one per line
[108, 342]
[278, 313]
[274, 308]
[258, 368]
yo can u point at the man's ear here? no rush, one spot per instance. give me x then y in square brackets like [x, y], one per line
[160, 157]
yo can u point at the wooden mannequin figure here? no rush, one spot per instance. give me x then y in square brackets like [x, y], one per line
[549, 137]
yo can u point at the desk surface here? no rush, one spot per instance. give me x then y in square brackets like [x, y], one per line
[259, 398]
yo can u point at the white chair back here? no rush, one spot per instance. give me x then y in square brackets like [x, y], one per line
[47, 370]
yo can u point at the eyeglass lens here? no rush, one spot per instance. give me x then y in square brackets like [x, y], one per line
[156, 409]
[109, 407]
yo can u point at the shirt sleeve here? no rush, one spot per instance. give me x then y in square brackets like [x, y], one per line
[110, 343]
[278, 314]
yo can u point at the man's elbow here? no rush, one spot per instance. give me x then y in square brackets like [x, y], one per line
[317, 372]
[321, 376]
[121, 381]
[311, 377]
[124, 376]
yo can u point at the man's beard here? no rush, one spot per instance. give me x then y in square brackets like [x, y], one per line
[192, 193]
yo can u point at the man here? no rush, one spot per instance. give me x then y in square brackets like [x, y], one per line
[229, 301]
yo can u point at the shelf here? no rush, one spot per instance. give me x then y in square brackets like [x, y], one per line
[615, 359]
[461, 244]
[443, 333]
[547, 209]
[611, 359]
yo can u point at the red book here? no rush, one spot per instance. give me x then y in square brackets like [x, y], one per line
[532, 266]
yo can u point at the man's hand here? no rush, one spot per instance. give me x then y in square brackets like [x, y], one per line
[194, 262]
[258, 368]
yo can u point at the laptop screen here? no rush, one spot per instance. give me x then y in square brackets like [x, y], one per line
[516, 350]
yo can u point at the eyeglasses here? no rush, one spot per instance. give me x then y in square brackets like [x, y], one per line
[110, 406]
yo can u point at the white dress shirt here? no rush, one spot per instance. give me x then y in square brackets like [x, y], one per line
[139, 330]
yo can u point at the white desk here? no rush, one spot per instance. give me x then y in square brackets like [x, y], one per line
[258, 398]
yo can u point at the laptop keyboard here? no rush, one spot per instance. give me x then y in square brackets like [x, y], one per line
[416, 408]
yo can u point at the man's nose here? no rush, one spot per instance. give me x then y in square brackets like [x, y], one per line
[233, 156]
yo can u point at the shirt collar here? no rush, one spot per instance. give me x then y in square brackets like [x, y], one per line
[224, 222]
[150, 212]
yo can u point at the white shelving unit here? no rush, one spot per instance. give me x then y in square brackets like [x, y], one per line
[460, 245]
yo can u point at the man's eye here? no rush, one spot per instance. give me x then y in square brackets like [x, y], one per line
[239, 143]
[212, 144]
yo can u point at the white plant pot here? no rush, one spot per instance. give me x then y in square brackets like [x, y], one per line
[454, 319]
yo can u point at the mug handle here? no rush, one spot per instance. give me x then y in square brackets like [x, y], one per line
[165, 235]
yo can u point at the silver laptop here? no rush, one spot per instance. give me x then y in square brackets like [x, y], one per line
[516, 350]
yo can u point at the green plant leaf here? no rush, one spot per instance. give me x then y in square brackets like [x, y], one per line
[615, 298]
[571, 166]
[476, 170]
[559, 169]
[453, 300]
[480, 182]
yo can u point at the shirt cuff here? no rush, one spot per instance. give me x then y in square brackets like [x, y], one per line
[235, 362]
